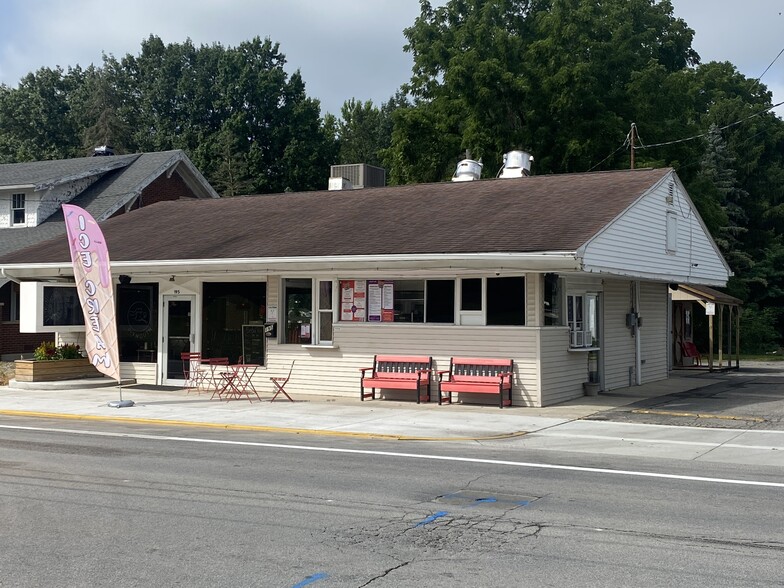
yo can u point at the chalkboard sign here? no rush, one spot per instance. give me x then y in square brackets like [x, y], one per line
[253, 343]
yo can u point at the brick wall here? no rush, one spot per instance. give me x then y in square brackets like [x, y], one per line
[14, 342]
[160, 190]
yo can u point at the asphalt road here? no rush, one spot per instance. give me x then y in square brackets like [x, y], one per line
[104, 505]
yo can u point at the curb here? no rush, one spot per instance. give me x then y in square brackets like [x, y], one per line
[258, 428]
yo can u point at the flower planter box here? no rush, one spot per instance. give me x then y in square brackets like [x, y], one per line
[31, 370]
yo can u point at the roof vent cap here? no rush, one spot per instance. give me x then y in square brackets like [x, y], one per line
[103, 150]
[467, 170]
[517, 164]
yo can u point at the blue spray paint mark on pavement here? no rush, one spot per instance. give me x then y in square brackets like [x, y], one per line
[310, 580]
[431, 518]
[523, 502]
[488, 499]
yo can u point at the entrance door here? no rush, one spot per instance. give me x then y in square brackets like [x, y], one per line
[179, 328]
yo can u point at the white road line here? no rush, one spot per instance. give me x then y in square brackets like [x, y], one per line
[717, 444]
[519, 464]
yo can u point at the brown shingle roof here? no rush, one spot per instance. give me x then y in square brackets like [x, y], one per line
[533, 214]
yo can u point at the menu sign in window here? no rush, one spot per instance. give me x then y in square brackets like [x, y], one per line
[380, 297]
[352, 300]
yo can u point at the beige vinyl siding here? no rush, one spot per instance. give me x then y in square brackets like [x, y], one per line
[143, 373]
[638, 240]
[563, 371]
[653, 333]
[618, 343]
[336, 371]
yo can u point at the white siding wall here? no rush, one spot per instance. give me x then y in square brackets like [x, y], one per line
[336, 371]
[563, 371]
[635, 243]
[618, 347]
[653, 333]
[143, 373]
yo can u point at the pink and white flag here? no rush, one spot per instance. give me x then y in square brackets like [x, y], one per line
[90, 257]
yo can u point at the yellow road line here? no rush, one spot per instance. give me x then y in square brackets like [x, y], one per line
[699, 415]
[261, 428]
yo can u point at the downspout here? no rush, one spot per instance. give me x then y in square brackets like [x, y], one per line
[637, 344]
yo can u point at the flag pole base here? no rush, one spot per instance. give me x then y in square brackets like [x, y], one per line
[120, 403]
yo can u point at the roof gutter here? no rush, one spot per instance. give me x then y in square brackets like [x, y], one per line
[6, 276]
[548, 261]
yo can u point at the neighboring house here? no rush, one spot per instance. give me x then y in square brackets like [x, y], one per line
[566, 274]
[31, 194]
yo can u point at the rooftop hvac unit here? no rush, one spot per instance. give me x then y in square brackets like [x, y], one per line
[467, 170]
[340, 184]
[360, 175]
[517, 164]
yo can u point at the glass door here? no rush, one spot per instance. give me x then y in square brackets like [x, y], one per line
[179, 327]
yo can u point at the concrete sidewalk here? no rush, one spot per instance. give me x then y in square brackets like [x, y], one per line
[324, 415]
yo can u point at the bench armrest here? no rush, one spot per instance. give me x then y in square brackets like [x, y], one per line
[441, 374]
[365, 369]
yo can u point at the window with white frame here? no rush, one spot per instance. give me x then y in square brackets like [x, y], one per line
[18, 216]
[582, 319]
[553, 300]
[492, 301]
[325, 312]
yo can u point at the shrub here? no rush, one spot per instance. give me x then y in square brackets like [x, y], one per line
[49, 351]
[45, 351]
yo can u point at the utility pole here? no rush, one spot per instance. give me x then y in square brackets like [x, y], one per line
[632, 139]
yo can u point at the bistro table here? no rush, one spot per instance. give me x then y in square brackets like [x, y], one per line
[238, 381]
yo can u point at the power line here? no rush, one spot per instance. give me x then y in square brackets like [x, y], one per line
[737, 122]
[771, 64]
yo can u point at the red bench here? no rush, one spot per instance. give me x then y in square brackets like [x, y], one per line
[397, 372]
[477, 375]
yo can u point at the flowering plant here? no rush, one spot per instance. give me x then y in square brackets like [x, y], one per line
[49, 351]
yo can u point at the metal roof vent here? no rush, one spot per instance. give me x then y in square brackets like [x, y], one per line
[517, 164]
[467, 170]
[103, 150]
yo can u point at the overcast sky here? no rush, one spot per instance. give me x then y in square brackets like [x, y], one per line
[344, 48]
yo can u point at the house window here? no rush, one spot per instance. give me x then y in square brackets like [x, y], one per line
[505, 301]
[325, 312]
[298, 310]
[471, 294]
[440, 301]
[553, 300]
[582, 319]
[18, 216]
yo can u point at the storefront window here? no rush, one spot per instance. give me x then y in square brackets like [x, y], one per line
[137, 322]
[298, 311]
[506, 301]
[227, 307]
[553, 300]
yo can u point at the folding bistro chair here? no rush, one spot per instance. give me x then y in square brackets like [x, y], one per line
[192, 370]
[280, 384]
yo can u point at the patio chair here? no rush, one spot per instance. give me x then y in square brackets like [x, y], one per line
[192, 370]
[689, 349]
[280, 385]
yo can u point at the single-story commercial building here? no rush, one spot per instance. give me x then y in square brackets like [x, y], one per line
[567, 275]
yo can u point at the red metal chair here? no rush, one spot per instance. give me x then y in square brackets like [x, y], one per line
[192, 370]
[280, 384]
